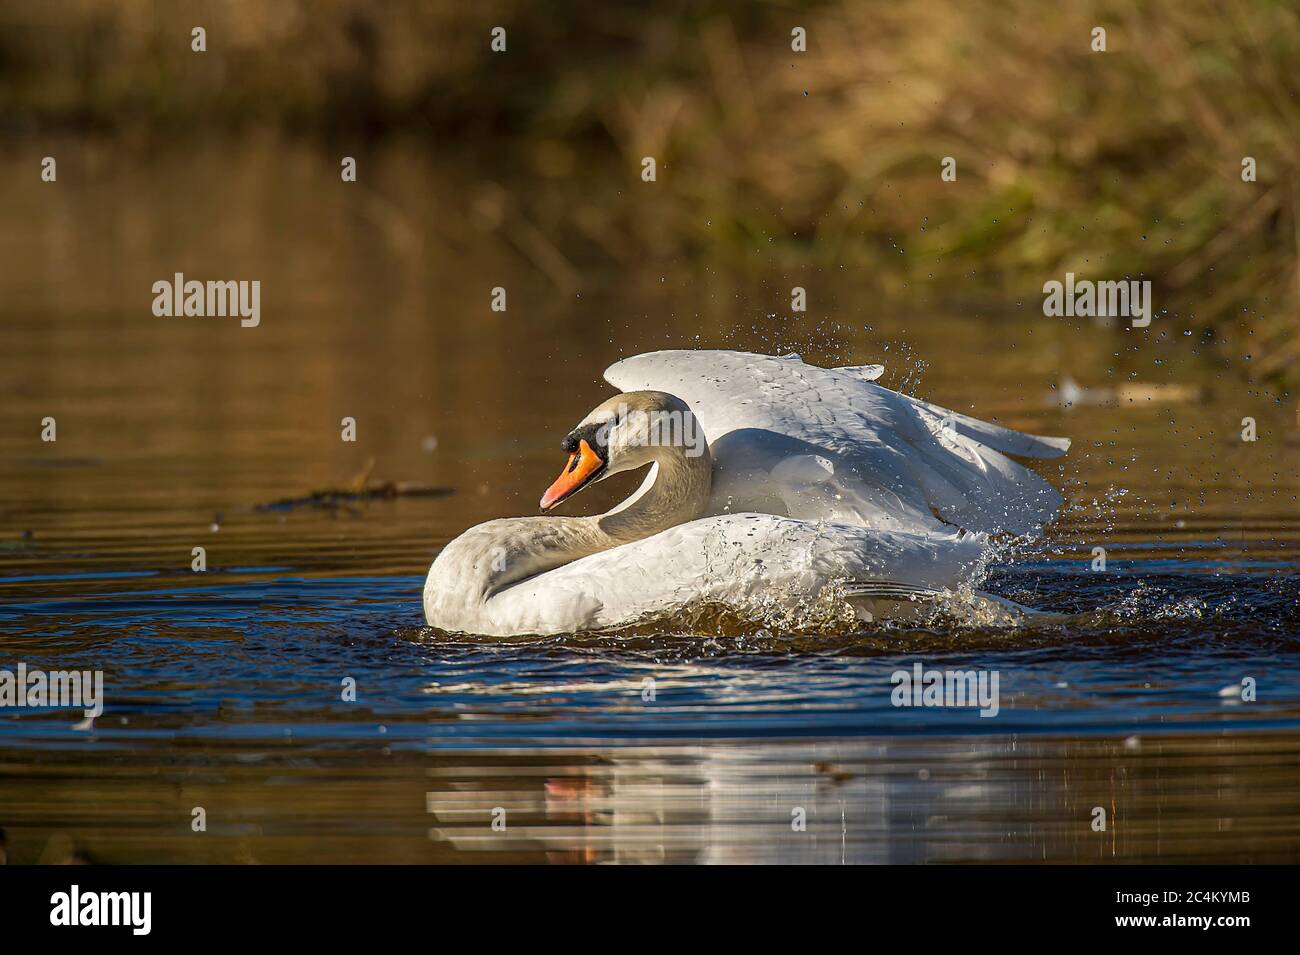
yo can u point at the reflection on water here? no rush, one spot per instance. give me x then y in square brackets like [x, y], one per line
[888, 801]
[1177, 799]
[223, 687]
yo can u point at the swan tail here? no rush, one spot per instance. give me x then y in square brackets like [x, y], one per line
[977, 609]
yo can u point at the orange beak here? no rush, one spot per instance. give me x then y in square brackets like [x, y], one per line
[583, 464]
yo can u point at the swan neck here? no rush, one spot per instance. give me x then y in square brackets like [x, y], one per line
[501, 553]
[676, 490]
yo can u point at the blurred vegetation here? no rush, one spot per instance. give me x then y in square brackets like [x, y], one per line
[1114, 164]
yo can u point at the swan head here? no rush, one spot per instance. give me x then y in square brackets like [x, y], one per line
[622, 434]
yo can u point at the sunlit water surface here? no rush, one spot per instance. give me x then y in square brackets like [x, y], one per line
[224, 688]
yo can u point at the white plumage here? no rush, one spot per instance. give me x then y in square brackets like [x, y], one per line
[819, 478]
[886, 460]
[755, 564]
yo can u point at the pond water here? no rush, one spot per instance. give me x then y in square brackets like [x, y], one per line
[223, 687]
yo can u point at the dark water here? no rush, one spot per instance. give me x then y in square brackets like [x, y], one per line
[223, 688]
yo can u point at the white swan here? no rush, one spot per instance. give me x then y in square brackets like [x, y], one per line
[770, 481]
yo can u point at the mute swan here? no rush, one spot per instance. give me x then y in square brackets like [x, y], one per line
[769, 480]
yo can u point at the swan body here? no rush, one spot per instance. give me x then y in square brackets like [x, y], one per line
[771, 482]
[752, 563]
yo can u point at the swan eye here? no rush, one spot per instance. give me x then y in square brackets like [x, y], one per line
[592, 434]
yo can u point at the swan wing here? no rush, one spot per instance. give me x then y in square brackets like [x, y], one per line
[830, 444]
